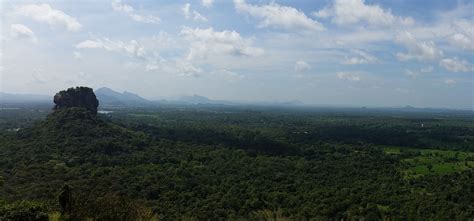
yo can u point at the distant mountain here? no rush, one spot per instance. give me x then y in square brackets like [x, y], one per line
[23, 98]
[109, 97]
[195, 99]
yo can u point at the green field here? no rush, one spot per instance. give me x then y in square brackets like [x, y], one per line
[421, 162]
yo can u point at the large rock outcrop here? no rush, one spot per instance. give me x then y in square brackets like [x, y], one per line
[76, 97]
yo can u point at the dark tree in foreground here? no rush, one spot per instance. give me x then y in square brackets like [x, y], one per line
[65, 200]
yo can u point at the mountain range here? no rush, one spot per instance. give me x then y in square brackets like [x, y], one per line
[111, 98]
[108, 97]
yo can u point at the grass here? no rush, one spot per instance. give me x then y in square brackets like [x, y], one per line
[422, 162]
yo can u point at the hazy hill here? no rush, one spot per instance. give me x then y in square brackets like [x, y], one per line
[195, 99]
[108, 96]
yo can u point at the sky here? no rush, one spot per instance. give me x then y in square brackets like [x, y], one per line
[329, 52]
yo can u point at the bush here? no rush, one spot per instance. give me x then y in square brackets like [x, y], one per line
[24, 211]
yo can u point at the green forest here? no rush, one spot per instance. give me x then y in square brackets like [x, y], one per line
[206, 162]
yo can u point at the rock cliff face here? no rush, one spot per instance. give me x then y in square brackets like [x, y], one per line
[76, 97]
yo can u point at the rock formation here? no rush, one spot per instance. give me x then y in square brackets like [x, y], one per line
[76, 97]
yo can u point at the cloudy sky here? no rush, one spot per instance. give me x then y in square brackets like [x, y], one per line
[329, 52]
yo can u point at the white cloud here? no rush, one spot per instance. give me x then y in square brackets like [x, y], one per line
[415, 74]
[130, 12]
[187, 69]
[132, 48]
[275, 15]
[361, 58]
[207, 3]
[90, 44]
[463, 36]
[456, 65]
[302, 66]
[347, 76]
[152, 67]
[362, 37]
[354, 60]
[462, 41]
[323, 13]
[186, 10]
[412, 74]
[44, 13]
[417, 50]
[188, 14]
[21, 31]
[407, 21]
[450, 82]
[347, 12]
[143, 52]
[205, 42]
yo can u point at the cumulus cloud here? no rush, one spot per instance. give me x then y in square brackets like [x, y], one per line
[347, 12]
[187, 69]
[347, 76]
[275, 15]
[132, 48]
[361, 57]
[205, 42]
[463, 36]
[207, 3]
[21, 31]
[302, 66]
[456, 65]
[128, 10]
[462, 41]
[361, 37]
[417, 50]
[192, 14]
[46, 14]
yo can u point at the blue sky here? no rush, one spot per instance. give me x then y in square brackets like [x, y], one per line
[331, 52]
